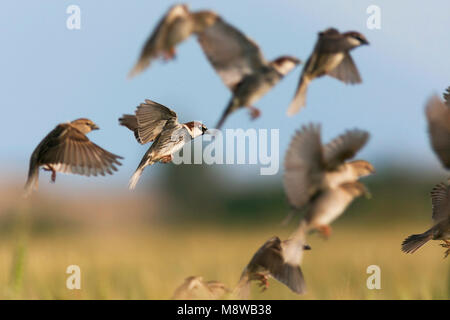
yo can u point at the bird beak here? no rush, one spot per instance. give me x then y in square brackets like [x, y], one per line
[94, 127]
[306, 247]
[204, 130]
[365, 42]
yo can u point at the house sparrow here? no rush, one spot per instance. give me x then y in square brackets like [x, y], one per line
[331, 56]
[175, 27]
[438, 115]
[311, 167]
[241, 66]
[194, 288]
[328, 204]
[67, 149]
[440, 201]
[278, 259]
[155, 122]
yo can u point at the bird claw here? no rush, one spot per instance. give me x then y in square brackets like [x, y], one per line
[169, 55]
[254, 113]
[53, 176]
[166, 159]
[325, 231]
[263, 282]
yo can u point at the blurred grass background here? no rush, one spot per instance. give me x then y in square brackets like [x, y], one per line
[143, 245]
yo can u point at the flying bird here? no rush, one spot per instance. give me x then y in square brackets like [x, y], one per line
[438, 116]
[331, 56]
[155, 122]
[241, 65]
[176, 26]
[67, 149]
[319, 178]
[278, 259]
[194, 288]
[440, 201]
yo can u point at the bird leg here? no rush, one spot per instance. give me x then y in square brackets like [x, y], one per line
[263, 281]
[254, 112]
[169, 54]
[325, 231]
[446, 244]
[166, 159]
[50, 168]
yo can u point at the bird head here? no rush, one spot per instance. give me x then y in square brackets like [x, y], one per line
[362, 168]
[355, 39]
[196, 128]
[285, 64]
[84, 125]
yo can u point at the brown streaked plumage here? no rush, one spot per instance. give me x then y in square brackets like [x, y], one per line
[155, 122]
[175, 27]
[438, 116]
[331, 56]
[67, 149]
[274, 259]
[195, 288]
[239, 62]
[440, 200]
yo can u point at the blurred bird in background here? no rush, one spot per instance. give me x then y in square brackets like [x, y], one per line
[67, 149]
[319, 179]
[195, 288]
[155, 122]
[331, 56]
[438, 116]
[175, 27]
[242, 67]
[440, 200]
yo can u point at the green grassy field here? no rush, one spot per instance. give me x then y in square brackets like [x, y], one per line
[149, 263]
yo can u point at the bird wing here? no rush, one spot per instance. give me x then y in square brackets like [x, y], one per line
[270, 257]
[232, 54]
[346, 71]
[151, 119]
[154, 44]
[344, 147]
[68, 150]
[169, 141]
[303, 165]
[440, 200]
[438, 115]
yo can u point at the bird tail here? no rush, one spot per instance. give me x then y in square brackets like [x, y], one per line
[228, 110]
[32, 182]
[137, 174]
[415, 241]
[299, 100]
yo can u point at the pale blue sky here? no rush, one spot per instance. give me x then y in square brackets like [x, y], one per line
[50, 74]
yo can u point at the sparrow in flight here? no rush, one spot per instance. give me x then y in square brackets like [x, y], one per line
[67, 149]
[278, 259]
[438, 116]
[175, 27]
[440, 201]
[240, 64]
[320, 178]
[155, 122]
[331, 56]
